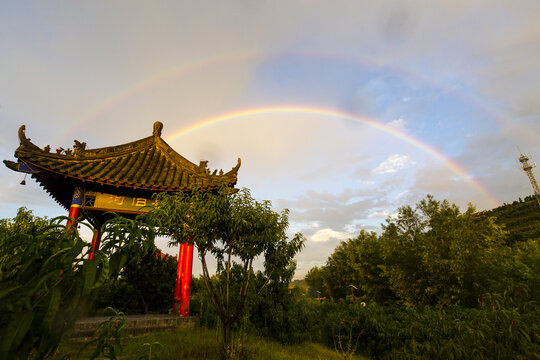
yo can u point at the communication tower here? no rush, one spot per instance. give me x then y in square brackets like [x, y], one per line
[527, 167]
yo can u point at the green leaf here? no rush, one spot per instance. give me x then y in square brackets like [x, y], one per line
[89, 276]
[14, 333]
[104, 273]
[54, 304]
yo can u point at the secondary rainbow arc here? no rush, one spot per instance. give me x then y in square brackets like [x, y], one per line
[201, 63]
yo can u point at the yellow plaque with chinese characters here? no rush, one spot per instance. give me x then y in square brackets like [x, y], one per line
[120, 203]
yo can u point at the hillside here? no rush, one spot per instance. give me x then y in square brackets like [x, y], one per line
[521, 219]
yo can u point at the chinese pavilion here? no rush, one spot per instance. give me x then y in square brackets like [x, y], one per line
[122, 179]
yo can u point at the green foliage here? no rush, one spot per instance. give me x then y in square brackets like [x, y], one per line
[499, 329]
[502, 327]
[466, 291]
[125, 241]
[354, 263]
[521, 219]
[200, 305]
[526, 266]
[151, 351]
[428, 255]
[438, 283]
[276, 310]
[46, 280]
[346, 348]
[436, 255]
[202, 344]
[235, 229]
[315, 281]
[144, 286]
[282, 312]
[23, 223]
[107, 336]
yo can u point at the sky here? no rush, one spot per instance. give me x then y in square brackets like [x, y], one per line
[341, 111]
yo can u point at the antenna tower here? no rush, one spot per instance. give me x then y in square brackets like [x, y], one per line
[527, 167]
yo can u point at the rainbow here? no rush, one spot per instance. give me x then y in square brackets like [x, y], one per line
[334, 114]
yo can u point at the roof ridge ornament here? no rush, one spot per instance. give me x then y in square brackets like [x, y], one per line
[79, 148]
[158, 126]
[24, 141]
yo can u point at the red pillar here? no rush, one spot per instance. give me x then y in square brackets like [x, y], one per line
[96, 239]
[75, 208]
[186, 280]
[178, 285]
[182, 287]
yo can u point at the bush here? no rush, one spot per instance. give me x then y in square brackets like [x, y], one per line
[144, 286]
[46, 280]
[502, 327]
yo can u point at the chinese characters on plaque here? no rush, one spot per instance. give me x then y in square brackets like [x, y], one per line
[119, 202]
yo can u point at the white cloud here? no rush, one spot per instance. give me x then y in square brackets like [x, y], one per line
[378, 214]
[393, 163]
[382, 214]
[327, 234]
[398, 123]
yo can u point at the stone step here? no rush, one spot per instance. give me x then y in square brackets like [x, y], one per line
[135, 325]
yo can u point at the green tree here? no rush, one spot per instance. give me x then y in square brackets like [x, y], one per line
[283, 312]
[315, 280]
[354, 264]
[434, 254]
[235, 229]
[525, 265]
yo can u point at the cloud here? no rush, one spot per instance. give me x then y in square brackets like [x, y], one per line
[398, 123]
[330, 210]
[327, 234]
[393, 163]
[382, 214]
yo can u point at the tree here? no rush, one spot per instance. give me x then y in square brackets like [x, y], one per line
[315, 280]
[46, 280]
[282, 311]
[434, 254]
[355, 264]
[235, 229]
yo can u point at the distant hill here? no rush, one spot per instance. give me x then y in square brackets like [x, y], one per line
[521, 219]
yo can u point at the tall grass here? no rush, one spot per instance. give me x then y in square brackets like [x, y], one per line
[204, 343]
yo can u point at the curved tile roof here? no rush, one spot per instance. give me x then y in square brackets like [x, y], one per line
[149, 163]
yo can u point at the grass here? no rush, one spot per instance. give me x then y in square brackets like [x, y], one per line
[203, 343]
